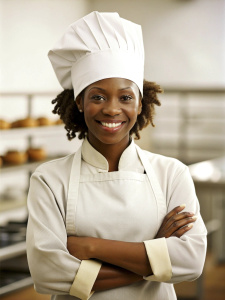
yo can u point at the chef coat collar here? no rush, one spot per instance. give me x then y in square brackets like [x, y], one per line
[96, 159]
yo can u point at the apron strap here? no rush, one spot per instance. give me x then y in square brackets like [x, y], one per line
[157, 190]
[73, 191]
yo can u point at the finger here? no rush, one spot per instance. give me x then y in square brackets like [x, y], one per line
[179, 224]
[172, 213]
[178, 217]
[182, 230]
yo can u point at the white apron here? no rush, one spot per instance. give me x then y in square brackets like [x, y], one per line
[123, 205]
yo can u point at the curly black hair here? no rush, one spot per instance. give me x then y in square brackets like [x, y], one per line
[66, 108]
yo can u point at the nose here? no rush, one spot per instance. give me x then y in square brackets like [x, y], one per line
[112, 108]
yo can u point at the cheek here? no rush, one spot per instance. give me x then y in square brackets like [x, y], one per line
[134, 111]
[89, 111]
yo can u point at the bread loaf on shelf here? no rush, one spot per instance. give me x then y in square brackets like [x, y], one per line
[14, 157]
[36, 154]
[58, 122]
[42, 121]
[4, 124]
[27, 122]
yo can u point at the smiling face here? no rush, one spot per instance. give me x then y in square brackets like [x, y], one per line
[110, 109]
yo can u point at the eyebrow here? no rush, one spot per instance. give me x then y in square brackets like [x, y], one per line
[101, 89]
[126, 88]
[98, 88]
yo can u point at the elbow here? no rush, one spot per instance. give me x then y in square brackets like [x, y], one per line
[199, 261]
[188, 266]
[39, 288]
[41, 284]
[44, 285]
[197, 269]
[188, 271]
[46, 281]
[197, 265]
[195, 274]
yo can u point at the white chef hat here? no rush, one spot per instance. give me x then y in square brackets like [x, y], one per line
[98, 46]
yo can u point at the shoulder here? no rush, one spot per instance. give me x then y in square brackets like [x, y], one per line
[166, 167]
[172, 174]
[160, 160]
[55, 164]
[55, 170]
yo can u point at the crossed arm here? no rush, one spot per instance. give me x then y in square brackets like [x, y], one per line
[125, 262]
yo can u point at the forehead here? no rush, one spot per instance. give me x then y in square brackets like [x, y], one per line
[113, 83]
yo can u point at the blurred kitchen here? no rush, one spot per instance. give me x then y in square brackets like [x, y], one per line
[185, 54]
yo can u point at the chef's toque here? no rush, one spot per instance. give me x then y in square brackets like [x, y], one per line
[98, 46]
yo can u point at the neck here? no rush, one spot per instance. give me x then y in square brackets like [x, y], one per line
[112, 152]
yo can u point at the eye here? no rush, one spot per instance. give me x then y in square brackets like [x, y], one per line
[97, 98]
[126, 98]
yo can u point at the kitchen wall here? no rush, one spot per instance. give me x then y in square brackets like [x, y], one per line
[184, 39]
[28, 30]
[184, 48]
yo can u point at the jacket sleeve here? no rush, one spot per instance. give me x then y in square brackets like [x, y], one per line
[53, 269]
[181, 259]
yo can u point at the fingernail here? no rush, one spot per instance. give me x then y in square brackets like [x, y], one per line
[194, 217]
[183, 205]
[190, 225]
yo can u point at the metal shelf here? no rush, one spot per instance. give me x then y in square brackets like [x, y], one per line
[16, 285]
[12, 251]
[8, 204]
[25, 132]
[29, 166]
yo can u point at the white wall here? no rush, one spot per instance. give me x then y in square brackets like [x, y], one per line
[29, 28]
[184, 43]
[184, 39]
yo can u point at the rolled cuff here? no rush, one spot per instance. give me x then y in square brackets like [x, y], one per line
[85, 279]
[159, 260]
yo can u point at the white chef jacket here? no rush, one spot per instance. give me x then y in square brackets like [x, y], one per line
[135, 215]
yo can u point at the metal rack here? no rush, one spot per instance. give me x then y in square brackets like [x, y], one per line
[19, 248]
[190, 124]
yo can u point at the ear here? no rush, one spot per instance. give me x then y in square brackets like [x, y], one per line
[79, 103]
[140, 106]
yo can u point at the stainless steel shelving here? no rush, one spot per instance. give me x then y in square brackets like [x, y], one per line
[12, 251]
[16, 285]
[26, 132]
[29, 166]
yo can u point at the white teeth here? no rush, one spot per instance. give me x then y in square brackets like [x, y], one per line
[111, 125]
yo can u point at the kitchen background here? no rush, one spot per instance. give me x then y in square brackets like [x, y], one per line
[185, 54]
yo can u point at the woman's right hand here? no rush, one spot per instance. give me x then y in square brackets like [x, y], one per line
[176, 223]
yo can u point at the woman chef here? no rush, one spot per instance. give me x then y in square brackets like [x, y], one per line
[108, 222]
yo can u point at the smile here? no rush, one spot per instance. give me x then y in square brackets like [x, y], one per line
[111, 125]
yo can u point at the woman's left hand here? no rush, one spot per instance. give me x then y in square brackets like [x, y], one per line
[79, 246]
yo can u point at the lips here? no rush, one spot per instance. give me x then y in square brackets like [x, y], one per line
[111, 125]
